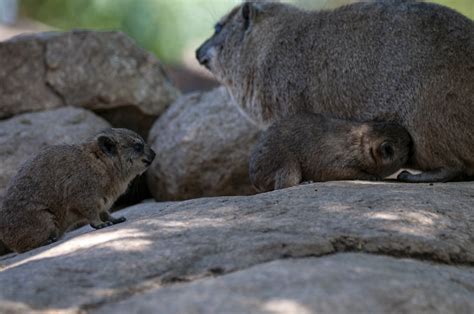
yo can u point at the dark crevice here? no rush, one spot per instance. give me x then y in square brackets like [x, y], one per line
[174, 279]
[467, 286]
[55, 92]
[46, 83]
[129, 117]
[355, 245]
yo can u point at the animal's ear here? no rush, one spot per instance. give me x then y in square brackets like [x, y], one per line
[250, 12]
[107, 145]
[386, 150]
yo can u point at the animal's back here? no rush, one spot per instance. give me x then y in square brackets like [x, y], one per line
[303, 146]
[46, 173]
[41, 184]
[362, 60]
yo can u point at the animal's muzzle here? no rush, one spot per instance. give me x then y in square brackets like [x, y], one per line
[202, 56]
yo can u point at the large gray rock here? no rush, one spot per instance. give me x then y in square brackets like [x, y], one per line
[161, 244]
[24, 135]
[203, 145]
[342, 283]
[102, 71]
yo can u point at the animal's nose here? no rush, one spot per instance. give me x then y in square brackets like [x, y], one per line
[201, 56]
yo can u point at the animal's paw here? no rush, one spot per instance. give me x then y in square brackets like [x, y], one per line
[102, 225]
[405, 176]
[118, 220]
[51, 240]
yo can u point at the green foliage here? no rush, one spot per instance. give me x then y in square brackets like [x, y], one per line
[165, 27]
[465, 7]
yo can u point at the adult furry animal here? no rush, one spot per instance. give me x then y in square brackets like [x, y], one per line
[401, 62]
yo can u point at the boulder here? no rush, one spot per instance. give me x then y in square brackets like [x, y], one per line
[280, 251]
[102, 71]
[203, 144]
[24, 135]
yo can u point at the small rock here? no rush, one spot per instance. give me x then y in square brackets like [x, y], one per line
[24, 135]
[203, 145]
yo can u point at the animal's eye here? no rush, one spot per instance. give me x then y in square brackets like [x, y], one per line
[218, 28]
[138, 147]
[387, 150]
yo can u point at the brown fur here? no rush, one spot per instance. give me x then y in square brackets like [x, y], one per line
[313, 147]
[397, 61]
[66, 184]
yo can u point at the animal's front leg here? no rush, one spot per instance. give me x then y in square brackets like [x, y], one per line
[96, 222]
[438, 175]
[287, 176]
[106, 216]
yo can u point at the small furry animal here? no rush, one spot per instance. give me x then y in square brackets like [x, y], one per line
[313, 147]
[66, 184]
[411, 63]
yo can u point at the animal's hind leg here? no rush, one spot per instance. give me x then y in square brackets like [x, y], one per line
[36, 231]
[287, 176]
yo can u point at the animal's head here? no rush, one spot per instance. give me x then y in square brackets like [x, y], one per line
[126, 150]
[386, 147]
[234, 35]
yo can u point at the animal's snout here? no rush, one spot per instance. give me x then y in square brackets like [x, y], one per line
[205, 53]
[152, 154]
[149, 157]
[202, 56]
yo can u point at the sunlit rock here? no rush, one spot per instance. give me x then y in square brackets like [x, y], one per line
[260, 246]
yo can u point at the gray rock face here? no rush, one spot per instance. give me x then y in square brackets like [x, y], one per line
[24, 135]
[101, 71]
[203, 145]
[22, 76]
[342, 283]
[162, 244]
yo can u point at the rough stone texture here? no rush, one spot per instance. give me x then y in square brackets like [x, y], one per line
[203, 145]
[342, 283]
[101, 71]
[22, 136]
[23, 86]
[166, 243]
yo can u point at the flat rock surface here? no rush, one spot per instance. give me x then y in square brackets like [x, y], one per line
[163, 244]
[24, 135]
[203, 146]
[101, 71]
[341, 283]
